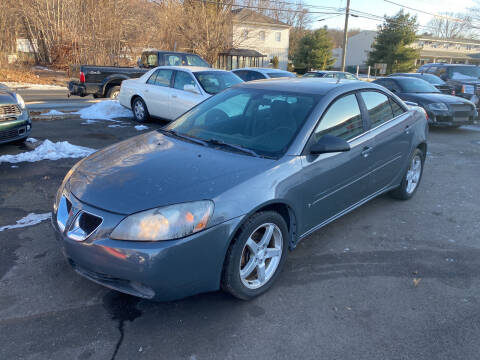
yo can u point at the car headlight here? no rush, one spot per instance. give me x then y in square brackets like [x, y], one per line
[20, 101]
[438, 106]
[165, 223]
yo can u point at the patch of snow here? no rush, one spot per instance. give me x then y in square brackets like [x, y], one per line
[14, 85]
[32, 140]
[471, 127]
[117, 125]
[141, 127]
[105, 110]
[89, 122]
[29, 220]
[49, 151]
[14, 166]
[54, 112]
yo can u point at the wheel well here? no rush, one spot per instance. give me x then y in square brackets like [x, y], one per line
[112, 83]
[288, 215]
[423, 147]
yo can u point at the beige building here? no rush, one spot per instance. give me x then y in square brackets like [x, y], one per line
[431, 49]
[256, 39]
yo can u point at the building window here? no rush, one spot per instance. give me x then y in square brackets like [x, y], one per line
[278, 36]
[261, 35]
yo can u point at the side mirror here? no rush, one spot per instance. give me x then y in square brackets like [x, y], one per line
[410, 103]
[191, 88]
[329, 144]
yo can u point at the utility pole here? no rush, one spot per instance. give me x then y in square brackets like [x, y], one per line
[345, 33]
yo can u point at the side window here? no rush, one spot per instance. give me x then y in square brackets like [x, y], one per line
[389, 84]
[342, 119]
[164, 76]
[441, 71]
[431, 70]
[397, 109]
[181, 79]
[329, 75]
[378, 106]
[340, 75]
[173, 60]
[350, 77]
[150, 60]
[242, 74]
[151, 79]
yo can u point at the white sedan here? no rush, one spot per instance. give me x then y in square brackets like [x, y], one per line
[169, 91]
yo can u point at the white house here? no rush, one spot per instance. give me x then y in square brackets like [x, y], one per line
[358, 47]
[256, 39]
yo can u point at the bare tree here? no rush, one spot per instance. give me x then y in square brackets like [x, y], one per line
[451, 26]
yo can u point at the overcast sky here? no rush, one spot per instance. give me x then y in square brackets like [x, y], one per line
[381, 7]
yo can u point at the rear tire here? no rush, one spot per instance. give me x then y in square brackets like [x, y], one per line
[256, 256]
[113, 92]
[411, 178]
[140, 111]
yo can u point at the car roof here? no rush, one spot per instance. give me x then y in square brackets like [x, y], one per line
[318, 86]
[443, 64]
[191, 69]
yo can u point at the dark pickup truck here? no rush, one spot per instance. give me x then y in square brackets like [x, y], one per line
[464, 79]
[105, 81]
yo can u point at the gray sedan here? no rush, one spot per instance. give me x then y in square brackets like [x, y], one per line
[218, 197]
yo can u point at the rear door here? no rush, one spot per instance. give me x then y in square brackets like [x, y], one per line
[337, 181]
[157, 93]
[181, 100]
[391, 126]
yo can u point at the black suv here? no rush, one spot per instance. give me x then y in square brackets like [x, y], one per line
[465, 79]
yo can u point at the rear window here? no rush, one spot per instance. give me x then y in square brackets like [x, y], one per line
[279, 74]
[215, 81]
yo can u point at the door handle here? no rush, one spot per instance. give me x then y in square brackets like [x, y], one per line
[366, 151]
[407, 129]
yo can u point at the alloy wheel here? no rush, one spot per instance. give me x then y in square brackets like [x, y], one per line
[413, 174]
[139, 110]
[261, 256]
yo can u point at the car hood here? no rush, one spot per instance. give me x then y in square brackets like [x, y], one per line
[7, 97]
[433, 98]
[153, 170]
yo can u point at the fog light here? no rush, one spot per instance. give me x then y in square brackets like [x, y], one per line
[28, 127]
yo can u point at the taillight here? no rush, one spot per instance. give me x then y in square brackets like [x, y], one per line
[453, 92]
[82, 77]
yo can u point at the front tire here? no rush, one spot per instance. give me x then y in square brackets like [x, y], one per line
[140, 111]
[411, 178]
[256, 255]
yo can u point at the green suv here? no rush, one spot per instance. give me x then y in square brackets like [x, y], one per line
[15, 122]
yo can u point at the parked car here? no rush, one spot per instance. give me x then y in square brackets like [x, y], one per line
[465, 79]
[442, 109]
[250, 74]
[441, 85]
[105, 81]
[330, 74]
[169, 91]
[217, 198]
[15, 122]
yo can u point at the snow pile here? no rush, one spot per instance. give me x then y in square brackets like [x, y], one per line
[105, 110]
[32, 140]
[141, 127]
[29, 220]
[54, 112]
[49, 151]
[14, 85]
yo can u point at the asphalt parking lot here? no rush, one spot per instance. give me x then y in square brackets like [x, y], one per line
[391, 280]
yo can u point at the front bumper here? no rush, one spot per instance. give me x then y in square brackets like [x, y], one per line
[15, 128]
[163, 270]
[450, 118]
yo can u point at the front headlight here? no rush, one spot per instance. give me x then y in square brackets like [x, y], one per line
[165, 223]
[20, 101]
[438, 106]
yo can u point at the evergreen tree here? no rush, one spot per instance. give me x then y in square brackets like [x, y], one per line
[391, 44]
[314, 51]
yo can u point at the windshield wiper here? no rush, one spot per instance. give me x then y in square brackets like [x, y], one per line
[183, 136]
[232, 146]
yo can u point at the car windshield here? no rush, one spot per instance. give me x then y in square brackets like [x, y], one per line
[263, 122]
[215, 81]
[432, 79]
[279, 74]
[464, 72]
[194, 60]
[414, 85]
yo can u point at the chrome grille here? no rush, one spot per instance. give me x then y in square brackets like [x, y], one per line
[80, 224]
[9, 110]
[462, 110]
[12, 134]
